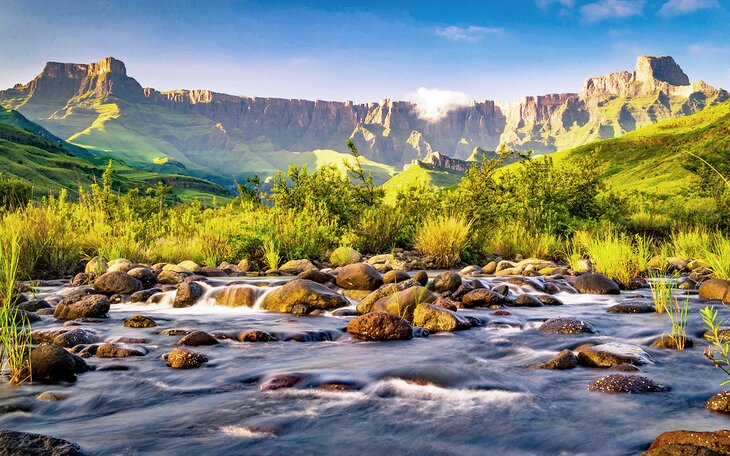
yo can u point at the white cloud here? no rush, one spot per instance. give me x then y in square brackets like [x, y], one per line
[679, 7]
[707, 49]
[472, 33]
[545, 4]
[434, 104]
[611, 9]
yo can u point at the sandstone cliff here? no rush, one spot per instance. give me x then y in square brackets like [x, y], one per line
[200, 127]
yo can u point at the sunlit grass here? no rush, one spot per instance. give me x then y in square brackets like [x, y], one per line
[619, 256]
[717, 256]
[443, 238]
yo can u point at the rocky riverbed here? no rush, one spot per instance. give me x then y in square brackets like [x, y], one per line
[166, 359]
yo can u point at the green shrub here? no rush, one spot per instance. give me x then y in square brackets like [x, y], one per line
[378, 229]
[618, 255]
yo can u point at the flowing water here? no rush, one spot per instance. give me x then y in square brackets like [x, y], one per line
[474, 393]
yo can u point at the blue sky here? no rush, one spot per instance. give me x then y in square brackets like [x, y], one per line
[337, 50]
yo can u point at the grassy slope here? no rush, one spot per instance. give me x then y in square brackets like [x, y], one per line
[650, 159]
[49, 168]
[418, 175]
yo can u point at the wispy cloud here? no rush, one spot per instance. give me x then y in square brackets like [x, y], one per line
[611, 9]
[545, 4]
[472, 33]
[434, 104]
[679, 7]
[702, 49]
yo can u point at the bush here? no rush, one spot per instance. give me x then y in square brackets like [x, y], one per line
[378, 229]
[14, 193]
[444, 238]
[619, 256]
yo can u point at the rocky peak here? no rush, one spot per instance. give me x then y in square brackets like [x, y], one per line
[662, 68]
[437, 160]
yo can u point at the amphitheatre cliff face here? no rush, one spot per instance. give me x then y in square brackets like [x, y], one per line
[100, 106]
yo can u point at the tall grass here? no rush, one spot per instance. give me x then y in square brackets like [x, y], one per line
[510, 240]
[689, 243]
[15, 331]
[678, 315]
[618, 255]
[661, 291]
[717, 256]
[271, 253]
[443, 238]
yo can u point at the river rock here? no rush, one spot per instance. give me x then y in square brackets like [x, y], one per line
[51, 364]
[482, 297]
[120, 265]
[182, 358]
[666, 341]
[566, 359]
[438, 319]
[446, 281]
[14, 443]
[303, 292]
[548, 300]
[144, 275]
[421, 277]
[720, 402]
[713, 289]
[718, 441]
[613, 354]
[446, 304]
[386, 290]
[237, 295]
[396, 276]
[526, 300]
[404, 303]
[90, 306]
[51, 396]
[595, 284]
[33, 306]
[197, 338]
[168, 277]
[82, 278]
[294, 267]
[632, 308]
[318, 276]
[359, 276]
[65, 337]
[281, 381]
[139, 321]
[255, 336]
[187, 294]
[116, 282]
[621, 383]
[562, 325]
[380, 326]
[96, 266]
[342, 256]
[113, 350]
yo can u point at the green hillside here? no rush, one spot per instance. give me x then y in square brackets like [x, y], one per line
[650, 159]
[49, 167]
[415, 175]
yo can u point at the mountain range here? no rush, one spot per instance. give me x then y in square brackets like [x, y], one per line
[104, 112]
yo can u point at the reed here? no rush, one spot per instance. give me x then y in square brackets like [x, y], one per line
[661, 291]
[678, 315]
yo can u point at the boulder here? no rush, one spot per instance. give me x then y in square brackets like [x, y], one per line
[566, 359]
[438, 319]
[168, 277]
[14, 443]
[718, 441]
[548, 300]
[595, 284]
[714, 289]
[720, 402]
[255, 336]
[144, 295]
[296, 266]
[113, 350]
[51, 364]
[144, 275]
[482, 297]
[620, 383]
[187, 294]
[318, 276]
[65, 337]
[191, 266]
[237, 295]
[116, 282]
[446, 281]
[139, 321]
[89, 306]
[380, 326]
[396, 276]
[421, 277]
[197, 338]
[404, 303]
[342, 256]
[632, 308]
[81, 279]
[386, 290]
[359, 276]
[120, 265]
[526, 300]
[303, 292]
[613, 354]
[96, 266]
[563, 325]
[33, 306]
[490, 268]
[182, 358]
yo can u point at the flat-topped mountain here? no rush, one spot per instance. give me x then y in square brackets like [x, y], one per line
[223, 137]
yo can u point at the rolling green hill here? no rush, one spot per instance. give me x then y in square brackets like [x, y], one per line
[415, 175]
[650, 159]
[49, 166]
